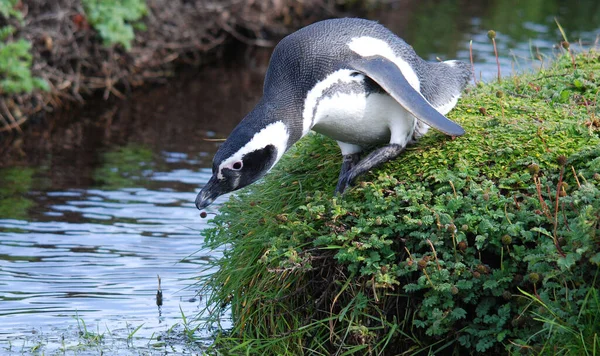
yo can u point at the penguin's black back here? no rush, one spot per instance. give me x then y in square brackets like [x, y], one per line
[308, 55]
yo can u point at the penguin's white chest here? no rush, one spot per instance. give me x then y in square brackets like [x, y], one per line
[363, 120]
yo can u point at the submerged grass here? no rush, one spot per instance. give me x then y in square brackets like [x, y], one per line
[81, 339]
[489, 242]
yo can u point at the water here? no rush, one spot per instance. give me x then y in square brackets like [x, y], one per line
[98, 202]
[86, 229]
[526, 30]
[93, 255]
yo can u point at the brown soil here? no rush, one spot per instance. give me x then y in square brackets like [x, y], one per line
[71, 56]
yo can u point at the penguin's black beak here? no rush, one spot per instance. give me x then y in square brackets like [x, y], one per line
[211, 191]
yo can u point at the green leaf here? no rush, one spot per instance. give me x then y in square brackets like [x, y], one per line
[458, 313]
[595, 259]
[568, 261]
[490, 284]
[484, 344]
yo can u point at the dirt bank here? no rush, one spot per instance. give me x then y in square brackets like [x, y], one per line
[70, 55]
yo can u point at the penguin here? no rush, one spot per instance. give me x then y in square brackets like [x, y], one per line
[350, 79]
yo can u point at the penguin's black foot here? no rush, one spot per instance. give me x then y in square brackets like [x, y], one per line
[344, 182]
[374, 159]
[348, 163]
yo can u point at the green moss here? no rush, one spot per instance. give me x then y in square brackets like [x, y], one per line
[435, 250]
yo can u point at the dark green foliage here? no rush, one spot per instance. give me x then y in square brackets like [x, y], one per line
[115, 19]
[453, 246]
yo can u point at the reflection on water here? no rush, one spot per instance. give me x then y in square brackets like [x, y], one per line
[102, 210]
[14, 184]
[93, 210]
[526, 30]
[97, 253]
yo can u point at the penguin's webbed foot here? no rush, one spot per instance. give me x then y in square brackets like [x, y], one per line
[348, 163]
[345, 182]
[342, 184]
[374, 159]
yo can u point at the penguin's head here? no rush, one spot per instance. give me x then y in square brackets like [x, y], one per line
[245, 157]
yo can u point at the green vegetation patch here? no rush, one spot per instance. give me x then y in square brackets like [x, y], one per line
[488, 242]
[115, 19]
[7, 9]
[15, 57]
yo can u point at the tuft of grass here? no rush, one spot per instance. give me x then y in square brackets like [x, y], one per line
[188, 329]
[90, 337]
[568, 327]
[132, 333]
[434, 252]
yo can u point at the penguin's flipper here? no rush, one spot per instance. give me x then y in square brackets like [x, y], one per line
[385, 73]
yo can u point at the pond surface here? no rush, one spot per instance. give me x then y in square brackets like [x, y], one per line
[88, 226]
[99, 201]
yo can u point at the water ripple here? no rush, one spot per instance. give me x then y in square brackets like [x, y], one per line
[96, 254]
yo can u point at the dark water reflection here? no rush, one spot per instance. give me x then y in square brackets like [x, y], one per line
[101, 210]
[526, 30]
[93, 209]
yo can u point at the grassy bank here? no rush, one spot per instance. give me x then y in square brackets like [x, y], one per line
[489, 242]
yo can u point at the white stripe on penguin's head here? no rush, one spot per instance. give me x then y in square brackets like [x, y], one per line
[275, 134]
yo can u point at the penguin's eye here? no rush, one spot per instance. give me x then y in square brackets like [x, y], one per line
[237, 165]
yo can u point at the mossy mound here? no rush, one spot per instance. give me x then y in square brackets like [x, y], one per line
[489, 242]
